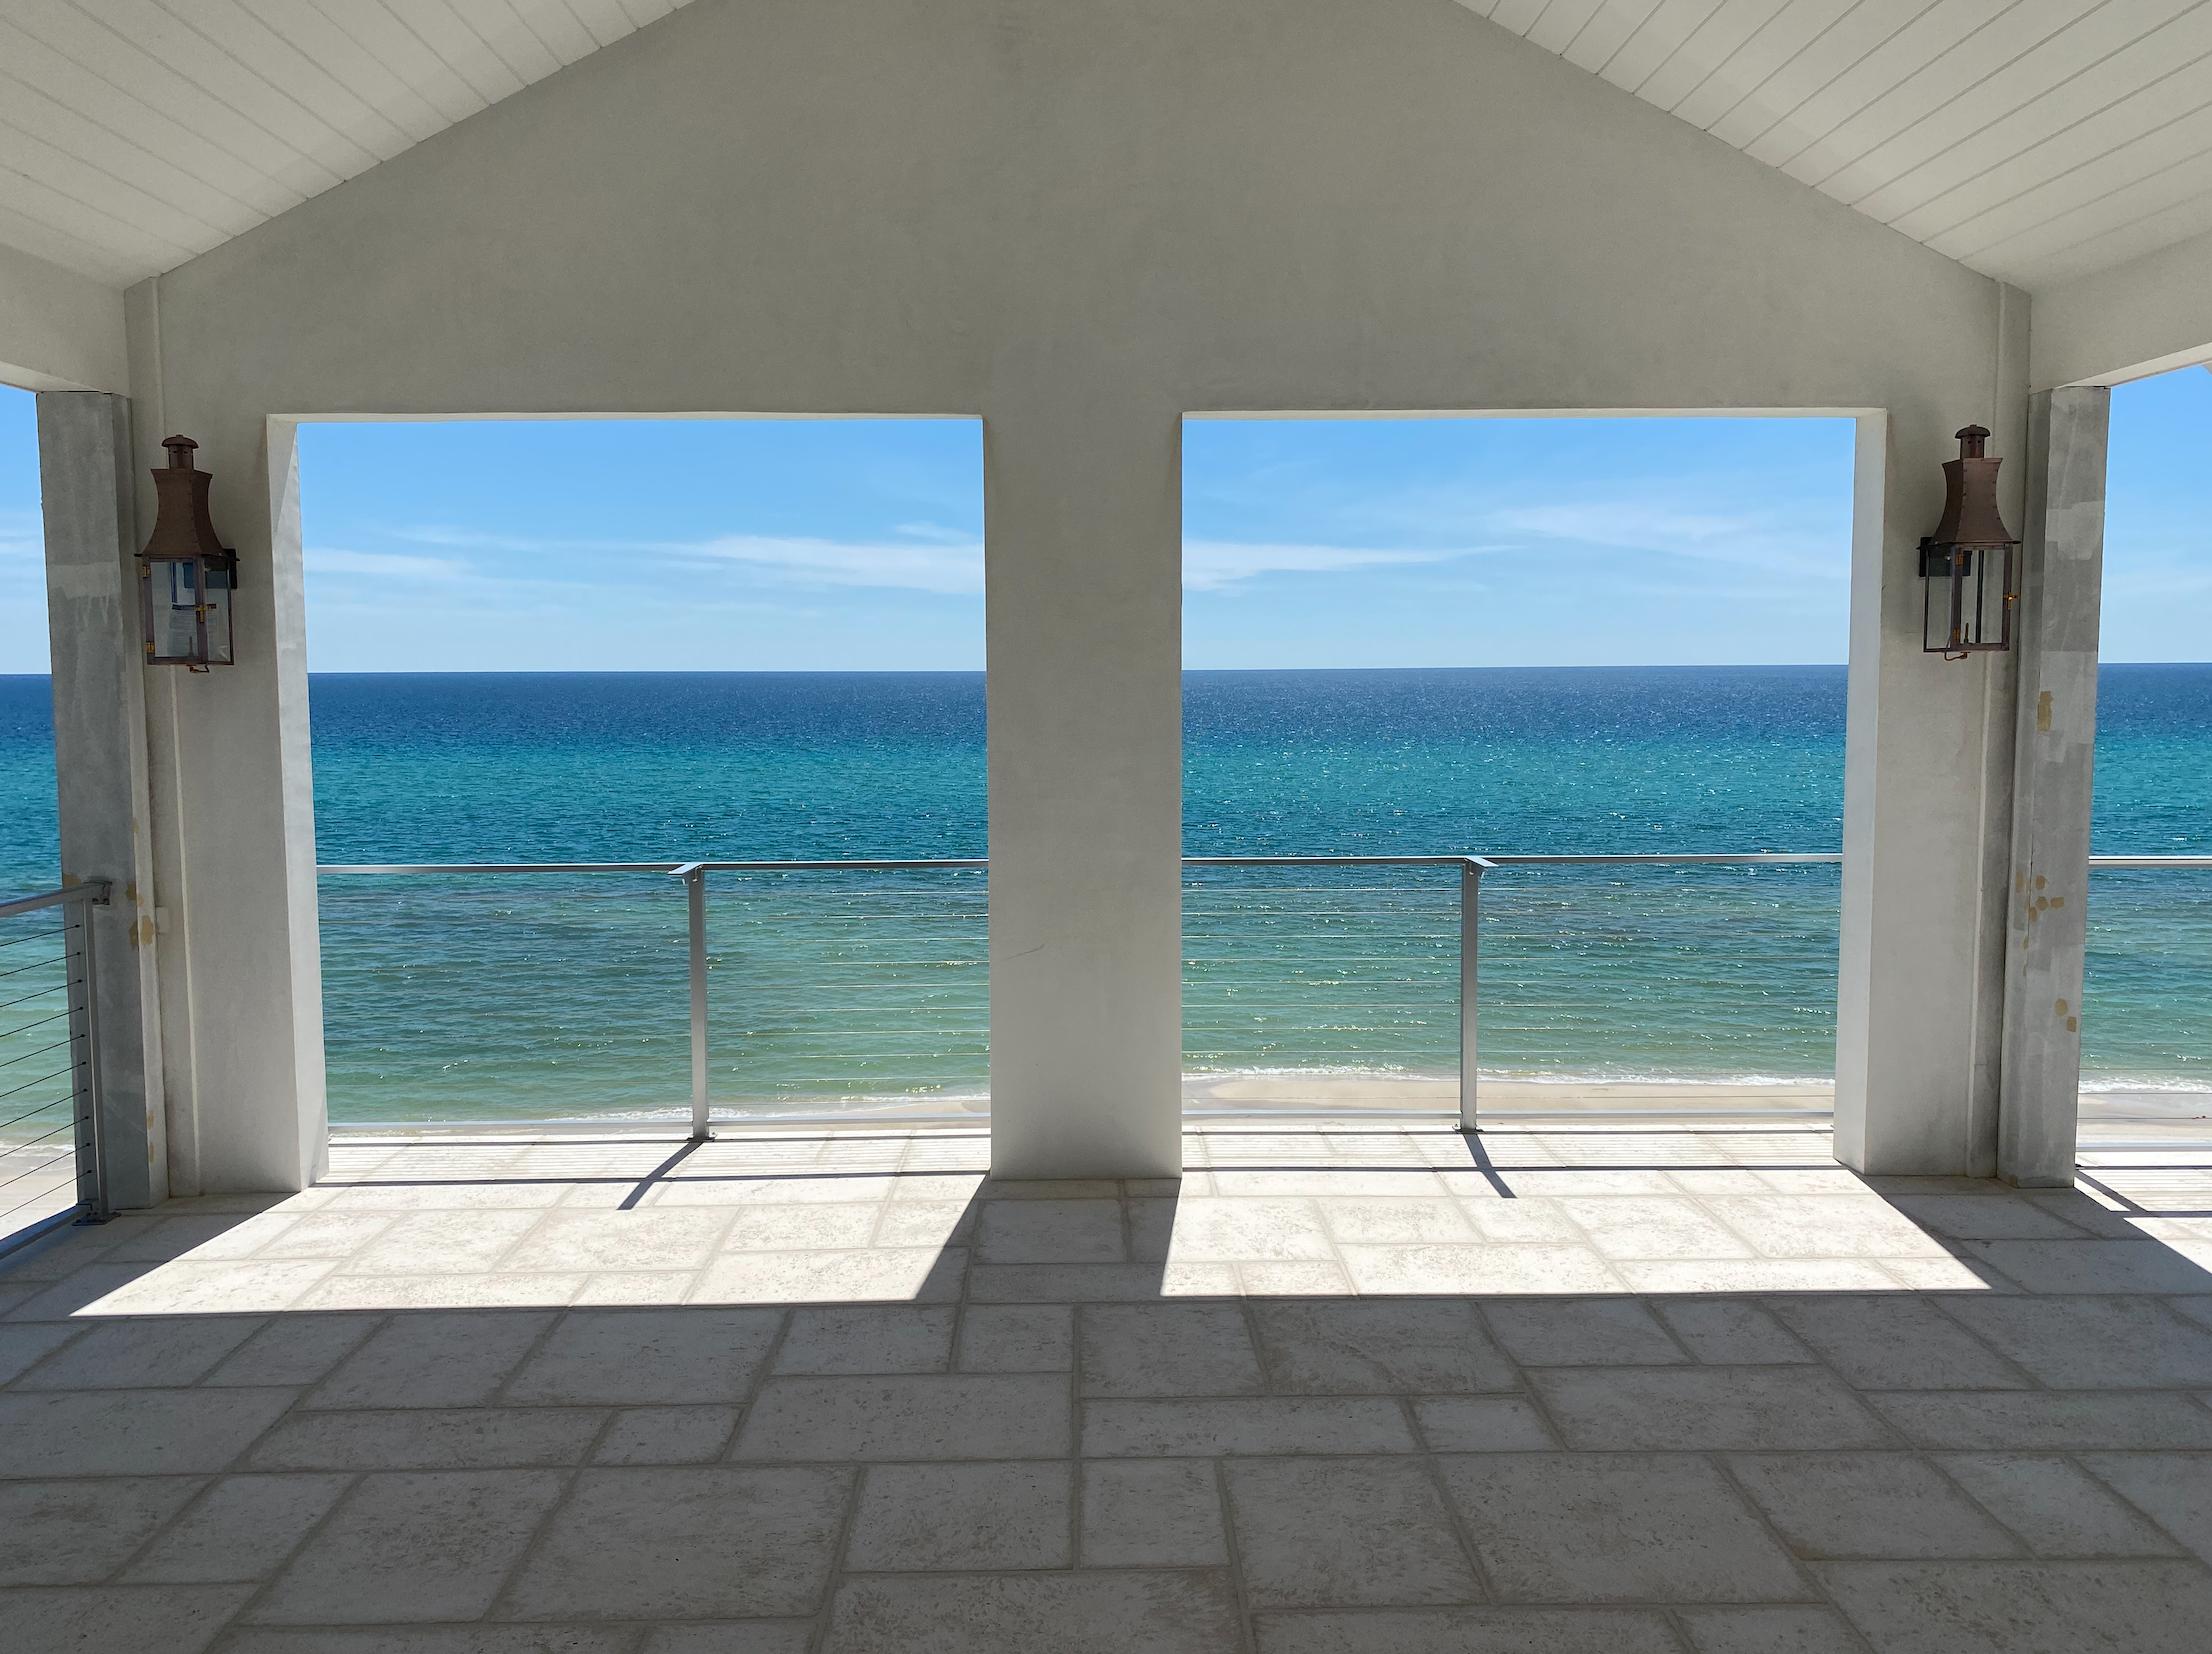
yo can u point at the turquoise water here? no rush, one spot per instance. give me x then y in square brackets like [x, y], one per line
[565, 994]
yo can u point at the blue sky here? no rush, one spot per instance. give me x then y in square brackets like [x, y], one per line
[2158, 520]
[1516, 542]
[23, 645]
[773, 545]
[695, 545]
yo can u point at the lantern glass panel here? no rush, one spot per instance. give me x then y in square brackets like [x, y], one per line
[1989, 579]
[173, 609]
[219, 584]
[1967, 594]
[1940, 596]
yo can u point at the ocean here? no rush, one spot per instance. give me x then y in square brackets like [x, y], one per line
[532, 996]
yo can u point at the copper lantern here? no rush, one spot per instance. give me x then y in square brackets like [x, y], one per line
[185, 575]
[1970, 566]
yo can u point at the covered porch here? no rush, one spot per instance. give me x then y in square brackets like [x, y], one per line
[1926, 1375]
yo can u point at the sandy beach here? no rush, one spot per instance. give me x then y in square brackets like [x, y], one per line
[1355, 1093]
[1317, 1098]
[1336, 1094]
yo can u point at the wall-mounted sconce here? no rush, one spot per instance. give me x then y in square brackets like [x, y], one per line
[185, 575]
[1970, 566]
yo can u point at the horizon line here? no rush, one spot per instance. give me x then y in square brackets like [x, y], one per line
[980, 671]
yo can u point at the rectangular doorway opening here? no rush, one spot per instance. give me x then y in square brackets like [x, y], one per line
[42, 1060]
[2146, 1012]
[649, 769]
[1562, 697]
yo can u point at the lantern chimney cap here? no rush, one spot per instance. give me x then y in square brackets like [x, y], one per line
[1971, 440]
[180, 451]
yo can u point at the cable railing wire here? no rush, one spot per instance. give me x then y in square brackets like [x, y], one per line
[38, 1109]
[41, 1080]
[1349, 927]
[68, 986]
[57, 1174]
[35, 965]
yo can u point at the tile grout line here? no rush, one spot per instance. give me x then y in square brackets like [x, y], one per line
[1432, 1470]
[786, 1315]
[75, 1334]
[572, 1479]
[571, 1475]
[588, 1459]
[833, 1576]
[1535, 1397]
[117, 1574]
[1361, 1452]
[1803, 1566]
[1941, 1304]
[238, 1618]
[503, 1390]
[2183, 1546]
[1076, 1418]
[1647, 1303]
[1933, 1458]
[1233, 1551]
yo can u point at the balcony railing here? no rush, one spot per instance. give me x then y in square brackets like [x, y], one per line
[53, 1165]
[1453, 938]
[1390, 993]
[2148, 993]
[846, 1045]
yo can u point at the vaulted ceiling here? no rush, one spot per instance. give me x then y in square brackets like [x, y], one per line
[137, 133]
[2033, 140]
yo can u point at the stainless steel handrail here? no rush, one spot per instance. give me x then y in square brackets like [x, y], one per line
[94, 891]
[979, 863]
[1472, 868]
[82, 1012]
[668, 867]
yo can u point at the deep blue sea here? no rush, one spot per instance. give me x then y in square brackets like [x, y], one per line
[540, 995]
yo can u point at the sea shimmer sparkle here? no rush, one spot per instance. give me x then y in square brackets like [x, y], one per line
[563, 995]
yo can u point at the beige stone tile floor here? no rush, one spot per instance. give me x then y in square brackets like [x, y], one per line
[1346, 1386]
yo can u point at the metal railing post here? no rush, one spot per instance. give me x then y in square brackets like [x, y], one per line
[1471, 871]
[90, 1101]
[695, 891]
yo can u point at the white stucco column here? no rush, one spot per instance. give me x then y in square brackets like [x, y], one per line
[1926, 801]
[1083, 500]
[84, 454]
[2039, 1107]
[241, 965]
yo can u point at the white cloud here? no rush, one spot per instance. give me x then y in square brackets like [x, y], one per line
[2155, 582]
[948, 566]
[22, 534]
[933, 560]
[945, 569]
[1215, 565]
[469, 539]
[1741, 540]
[385, 565]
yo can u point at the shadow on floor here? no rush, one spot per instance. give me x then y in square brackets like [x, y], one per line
[1550, 1389]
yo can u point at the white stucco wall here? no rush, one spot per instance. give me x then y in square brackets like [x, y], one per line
[100, 761]
[2145, 316]
[59, 331]
[1080, 221]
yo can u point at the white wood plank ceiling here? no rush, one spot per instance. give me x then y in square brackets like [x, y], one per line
[2034, 140]
[137, 133]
